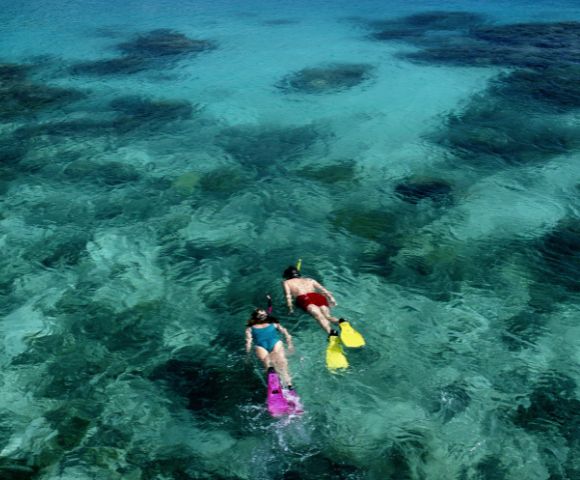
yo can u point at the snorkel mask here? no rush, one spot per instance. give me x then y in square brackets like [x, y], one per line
[291, 272]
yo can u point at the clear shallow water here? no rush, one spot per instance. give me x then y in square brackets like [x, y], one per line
[152, 195]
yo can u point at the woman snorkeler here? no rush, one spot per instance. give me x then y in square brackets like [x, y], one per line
[264, 330]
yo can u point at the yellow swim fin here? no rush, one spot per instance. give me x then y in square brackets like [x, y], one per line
[334, 357]
[349, 336]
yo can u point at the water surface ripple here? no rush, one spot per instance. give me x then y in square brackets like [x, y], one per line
[162, 163]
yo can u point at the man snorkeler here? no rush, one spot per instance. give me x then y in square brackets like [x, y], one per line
[316, 300]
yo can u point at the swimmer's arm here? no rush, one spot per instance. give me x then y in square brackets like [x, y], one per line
[325, 292]
[288, 297]
[287, 336]
[248, 340]
[270, 307]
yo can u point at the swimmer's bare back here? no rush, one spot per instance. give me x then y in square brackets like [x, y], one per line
[295, 287]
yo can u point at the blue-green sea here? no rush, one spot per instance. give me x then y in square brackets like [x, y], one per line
[162, 162]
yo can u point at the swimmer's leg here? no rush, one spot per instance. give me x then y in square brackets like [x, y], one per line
[326, 312]
[278, 356]
[316, 312]
[263, 356]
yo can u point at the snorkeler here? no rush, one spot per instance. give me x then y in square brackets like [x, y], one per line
[306, 291]
[263, 329]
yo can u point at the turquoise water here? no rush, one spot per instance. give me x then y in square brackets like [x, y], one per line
[161, 163]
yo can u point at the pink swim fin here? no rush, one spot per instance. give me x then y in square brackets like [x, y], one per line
[294, 402]
[277, 403]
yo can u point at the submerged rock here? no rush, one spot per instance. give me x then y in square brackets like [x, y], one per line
[327, 79]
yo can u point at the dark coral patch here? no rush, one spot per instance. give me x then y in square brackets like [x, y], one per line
[523, 330]
[152, 110]
[130, 114]
[18, 469]
[318, 466]
[163, 43]
[560, 251]
[327, 79]
[109, 173]
[552, 407]
[148, 115]
[467, 52]
[557, 86]
[419, 26]
[342, 171]
[490, 467]
[453, 399]
[492, 132]
[11, 154]
[225, 181]
[126, 65]
[267, 146]
[280, 21]
[415, 190]
[20, 97]
[11, 73]
[530, 45]
[155, 49]
[23, 99]
[463, 38]
[193, 372]
[370, 224]
[85, 127]
[55, 252]
[555, 35]
[444, 20]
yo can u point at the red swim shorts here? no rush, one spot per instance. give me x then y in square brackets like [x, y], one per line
[311, 299]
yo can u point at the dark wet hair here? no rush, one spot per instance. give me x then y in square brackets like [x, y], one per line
[255, 320]
[291, 272]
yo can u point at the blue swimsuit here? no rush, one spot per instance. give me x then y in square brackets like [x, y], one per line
[266, 337]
